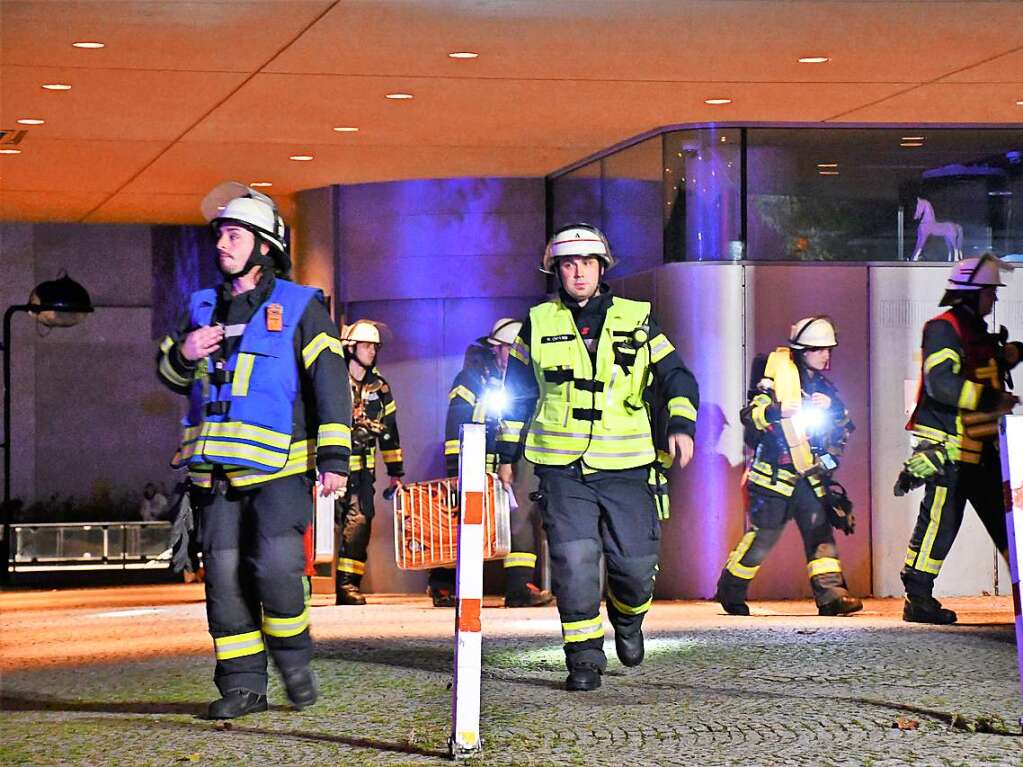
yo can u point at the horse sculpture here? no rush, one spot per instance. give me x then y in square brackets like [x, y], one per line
[949, 230]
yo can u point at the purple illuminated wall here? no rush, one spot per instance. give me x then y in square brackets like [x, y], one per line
[438, 261]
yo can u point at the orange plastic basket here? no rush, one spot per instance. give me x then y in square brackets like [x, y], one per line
[426, 523]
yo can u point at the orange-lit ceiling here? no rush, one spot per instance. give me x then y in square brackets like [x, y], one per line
[187, 94]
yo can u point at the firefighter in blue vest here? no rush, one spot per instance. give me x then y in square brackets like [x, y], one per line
[580, 369]
[798, 427]
[964, 390]
[478, 395]
[374, 423]
[269, 410]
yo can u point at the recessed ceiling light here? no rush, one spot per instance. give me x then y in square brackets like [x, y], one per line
[398, 96]
[347, 130]
[827, 165]
[30, 121]
[88, 44]
[57, 86]
[911, 143]
[828, 172]
[463, 55]
[261, 183]
[814, 59]
[301, 157]
[1019, 103]
[10, 151]
[912, 138]
[716, 102]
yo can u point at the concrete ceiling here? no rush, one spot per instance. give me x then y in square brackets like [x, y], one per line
[188, 94]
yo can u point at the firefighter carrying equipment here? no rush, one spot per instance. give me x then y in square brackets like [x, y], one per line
[594, 414]
[818, 332]
[576, 240]
[783, 374]
[240, 411]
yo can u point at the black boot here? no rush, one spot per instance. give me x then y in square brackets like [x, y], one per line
[844, 605]
[442, 597]
[630, 647]
[530, 596]
[926, 610]
[583, 678]
[301, 686]
[349, 594]
[237, 703]
[731, 595]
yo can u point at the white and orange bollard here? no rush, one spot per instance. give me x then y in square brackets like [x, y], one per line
[465, 730]
[1011, 435]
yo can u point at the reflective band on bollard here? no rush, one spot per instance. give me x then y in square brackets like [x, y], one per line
[1011, 435]
[465, 732]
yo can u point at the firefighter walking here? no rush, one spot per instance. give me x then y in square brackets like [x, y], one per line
[479, 395]
[963, 392]
[374, 423]
[260, 360]
[579, 369]
[798, 427]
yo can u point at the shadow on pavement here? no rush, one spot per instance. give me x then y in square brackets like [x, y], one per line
[18, 703]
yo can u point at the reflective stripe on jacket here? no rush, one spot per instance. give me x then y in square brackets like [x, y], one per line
[240, 412]
[597, 415]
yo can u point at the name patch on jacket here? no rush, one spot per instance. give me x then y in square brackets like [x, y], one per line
[556, 339]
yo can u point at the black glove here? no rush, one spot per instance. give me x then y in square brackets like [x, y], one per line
[839, 507]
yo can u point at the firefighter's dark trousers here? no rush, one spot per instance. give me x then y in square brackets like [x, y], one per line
[256, 588]
[354, 515]
[941, 514]
[609, 512]
[769, 512]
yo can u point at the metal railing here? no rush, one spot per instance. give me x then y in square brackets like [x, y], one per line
[89, 546]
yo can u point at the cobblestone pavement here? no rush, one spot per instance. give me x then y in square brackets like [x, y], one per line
[782, 687]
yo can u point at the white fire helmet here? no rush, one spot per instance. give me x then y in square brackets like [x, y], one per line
[505, 331]
[817, 332]
[978, 272]
[576, 240]
[233, 201]
[360, 330]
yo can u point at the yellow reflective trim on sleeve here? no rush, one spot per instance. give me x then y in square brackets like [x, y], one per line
[734, 567]
[580, 631]
[238, 645]
[166, 344]
[451, 447]
[935, 359]
[969, 395]
[242, 374]
[390, 408]
[520, 559]
[510, 431]
[823, 566]
[463, 392]
[392, 456]
[334, 434]
[322, 342]
[520, 351]
[625, 609]
[353, 566]
[170, 374]
[682, 407]
[286, 627]
[660, 347]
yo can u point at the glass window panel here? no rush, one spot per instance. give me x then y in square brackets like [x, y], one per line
[578, 196]
[632, 203]
[702, 181]
[834, 194]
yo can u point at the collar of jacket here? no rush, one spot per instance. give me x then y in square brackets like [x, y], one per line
[254, 297]
[596, 305]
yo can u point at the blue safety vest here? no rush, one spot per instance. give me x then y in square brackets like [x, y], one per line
[240, 411]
